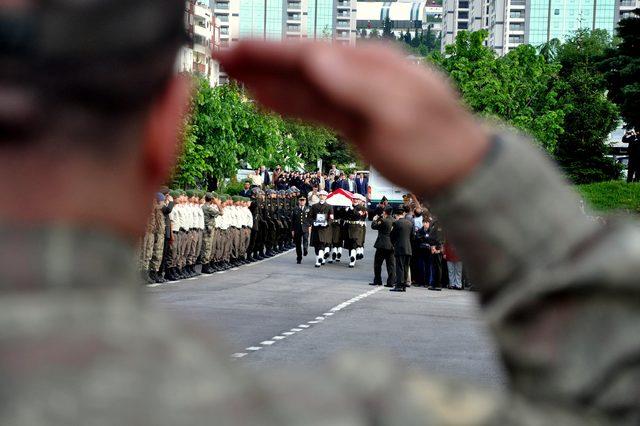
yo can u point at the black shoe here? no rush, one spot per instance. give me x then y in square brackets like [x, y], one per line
[152, 276]
[359, 256]
[160, 279]
[298, 261]
[326, 255]
[388, 285]
[375, 284]
[398, 289]
[206, 269]
[333, 256]
[306, 252]
[432, 288]
[144, 275]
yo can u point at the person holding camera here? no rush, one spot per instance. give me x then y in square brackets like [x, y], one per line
[633, 169]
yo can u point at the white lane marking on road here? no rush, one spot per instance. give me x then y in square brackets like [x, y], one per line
[154, 285]
[302, 327]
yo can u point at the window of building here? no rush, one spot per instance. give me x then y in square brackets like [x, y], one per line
[556, 12]
[518, 26]
[514, 39]
[463, 25]
[463, 4]
[516, 14]
[463, 15]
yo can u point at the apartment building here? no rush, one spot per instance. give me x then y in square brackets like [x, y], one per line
[511, 23]
[455, 18]
[625, 7]
[195, 57]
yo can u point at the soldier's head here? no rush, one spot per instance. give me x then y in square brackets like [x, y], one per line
[302, 201]
[89, 103]
[323, 196]
[388, 211]
[247, 185]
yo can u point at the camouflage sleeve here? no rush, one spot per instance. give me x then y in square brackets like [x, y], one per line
[560, 291]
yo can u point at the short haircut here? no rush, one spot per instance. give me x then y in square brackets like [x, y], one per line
[83, 84]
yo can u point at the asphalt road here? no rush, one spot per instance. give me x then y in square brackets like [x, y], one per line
[277, 314]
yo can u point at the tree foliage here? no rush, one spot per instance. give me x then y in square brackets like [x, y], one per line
[520, 88]
[590, 116]
[622, 66]
[225, 128]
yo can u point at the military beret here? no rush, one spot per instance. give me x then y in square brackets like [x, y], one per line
[174, 193]
[190, 193]
[224, 197]
[235, 198]
[215, 194]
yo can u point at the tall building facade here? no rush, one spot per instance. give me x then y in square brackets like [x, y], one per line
[455, 18]
[195, 57]
[511, 23]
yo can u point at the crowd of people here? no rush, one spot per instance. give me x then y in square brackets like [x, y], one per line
[411, 244]
[306, 181]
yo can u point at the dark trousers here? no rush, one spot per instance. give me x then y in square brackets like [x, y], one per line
[383, 255]
[436, 270]
[633, 170]
[402, 264]
[423, 268]
[301, 239]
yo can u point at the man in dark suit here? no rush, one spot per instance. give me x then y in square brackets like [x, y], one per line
[266, 180]
[300, 227]
[361, 184]
[246, 191]
[401, 237]
[384, 248]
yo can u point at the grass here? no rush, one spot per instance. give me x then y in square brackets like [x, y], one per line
[611, 196]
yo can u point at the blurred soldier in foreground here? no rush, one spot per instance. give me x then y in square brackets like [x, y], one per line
[79, 346]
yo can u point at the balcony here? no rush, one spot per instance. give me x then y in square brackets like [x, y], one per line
[343, 34]
[293, 28]
[344, 4]
[343, 15]
[518, 3]
[293, 17]
[343, 24]
[294, 5]
[627, 3]
[221, 6]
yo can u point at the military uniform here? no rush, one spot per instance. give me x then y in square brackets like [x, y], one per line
[210, 211]
[321, 236]
[300, 223]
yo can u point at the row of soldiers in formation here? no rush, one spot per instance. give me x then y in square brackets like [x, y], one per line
[219, 232]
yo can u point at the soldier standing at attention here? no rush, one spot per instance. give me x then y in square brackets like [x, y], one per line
[157, 247]
[300, 228]
[80, 345]
[321, 215]
[210, 212]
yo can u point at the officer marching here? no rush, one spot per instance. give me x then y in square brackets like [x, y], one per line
[321, 214]
[301, 226]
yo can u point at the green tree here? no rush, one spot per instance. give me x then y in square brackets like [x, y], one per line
[590, 116]
[520, 88]
[622, 67]
[374, 34]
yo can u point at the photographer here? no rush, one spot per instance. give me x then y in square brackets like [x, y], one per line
[633, 169]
